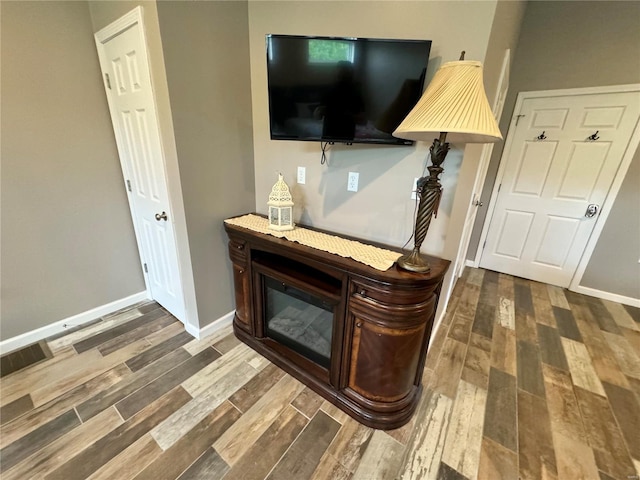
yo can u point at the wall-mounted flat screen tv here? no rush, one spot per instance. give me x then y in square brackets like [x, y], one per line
[343, 90]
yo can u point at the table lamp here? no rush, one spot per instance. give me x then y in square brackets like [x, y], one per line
[455, 107]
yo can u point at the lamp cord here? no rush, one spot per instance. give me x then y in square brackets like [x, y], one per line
[324, 147]
[415, 209]
[415, 203]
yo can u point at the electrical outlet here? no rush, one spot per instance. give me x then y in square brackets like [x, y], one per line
[352, 182]
[302, 175]
[414, 189]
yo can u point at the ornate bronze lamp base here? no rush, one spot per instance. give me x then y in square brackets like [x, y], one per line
[414, 262]
[429, 191]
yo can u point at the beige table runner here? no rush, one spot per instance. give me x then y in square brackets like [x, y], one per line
[375, 257]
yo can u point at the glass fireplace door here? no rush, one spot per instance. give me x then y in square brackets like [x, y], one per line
[299, 320]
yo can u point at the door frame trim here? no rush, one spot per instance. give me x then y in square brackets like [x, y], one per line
[485, 160]
[114, 28]
[169, 160]
[609, 201]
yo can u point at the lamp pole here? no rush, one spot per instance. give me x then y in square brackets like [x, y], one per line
[429, 191]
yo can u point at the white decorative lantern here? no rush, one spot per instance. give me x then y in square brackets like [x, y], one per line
[280, 206]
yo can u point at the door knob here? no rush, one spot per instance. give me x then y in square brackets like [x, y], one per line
[161, 216]
[592, 210]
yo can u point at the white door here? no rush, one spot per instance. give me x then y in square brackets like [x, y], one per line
[125, 67]
[561, 159]
[498, 105]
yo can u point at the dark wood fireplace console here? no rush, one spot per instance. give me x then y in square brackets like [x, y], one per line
[381, 322]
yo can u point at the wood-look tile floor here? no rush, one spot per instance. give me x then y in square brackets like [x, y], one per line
[523, 381]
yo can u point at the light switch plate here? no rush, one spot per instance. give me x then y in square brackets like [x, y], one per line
[302, 175]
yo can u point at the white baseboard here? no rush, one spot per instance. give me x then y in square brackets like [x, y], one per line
[211, 328]
[614, 297]
[437, 325]
[28, 338]
[470, 263]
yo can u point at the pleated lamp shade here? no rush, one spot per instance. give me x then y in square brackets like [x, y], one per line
[455, 103]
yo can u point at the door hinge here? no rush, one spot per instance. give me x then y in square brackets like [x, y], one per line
[146, 270]
[129, 184]
[106, 78]
[484, 244]
[499, 186]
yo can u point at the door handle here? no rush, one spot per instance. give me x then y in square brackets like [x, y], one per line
[477, 203]
[161, 216]
[592, 210]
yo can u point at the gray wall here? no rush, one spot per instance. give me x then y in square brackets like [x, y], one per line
[614, 265]
[67, 237]
[206, 55]
[505, 32]
[572, 45]
[382, 209]
[199, 56]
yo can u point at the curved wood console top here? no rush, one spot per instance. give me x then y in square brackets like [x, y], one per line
[382, 322]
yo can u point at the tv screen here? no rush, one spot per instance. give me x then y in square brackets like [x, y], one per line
[343, 90]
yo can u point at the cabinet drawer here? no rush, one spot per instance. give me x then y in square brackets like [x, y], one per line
[388, 294]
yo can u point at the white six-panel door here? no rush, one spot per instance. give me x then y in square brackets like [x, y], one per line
[124, 64]
[562, 159]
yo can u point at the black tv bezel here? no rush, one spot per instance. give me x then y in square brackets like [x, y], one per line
[356, 141]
